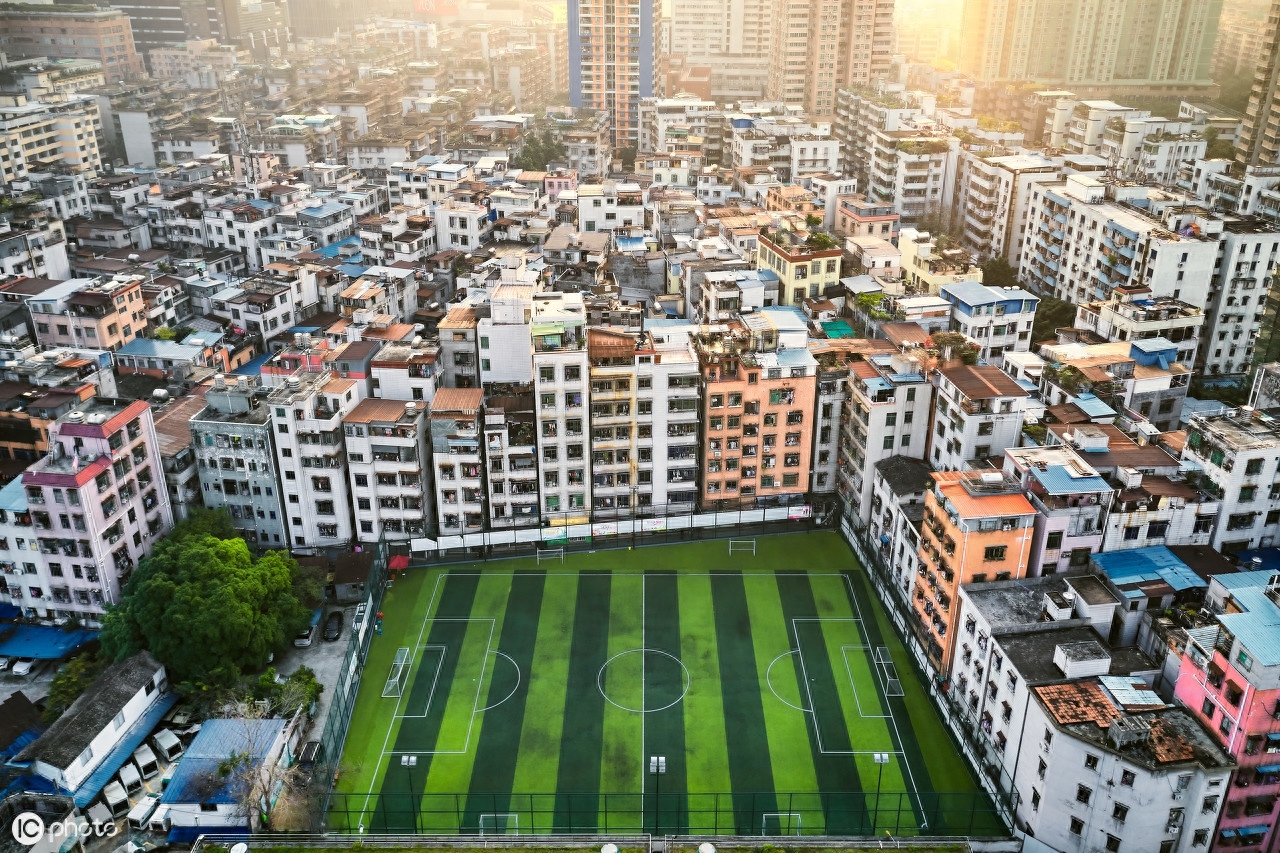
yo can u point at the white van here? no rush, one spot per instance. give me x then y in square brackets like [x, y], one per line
[146, 761]
[167, 745]
[115, 799]
[160, 820]
[140, 815]
[130, 778]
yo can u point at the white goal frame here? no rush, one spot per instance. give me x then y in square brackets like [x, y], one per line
[550, 554]
[513, 819]
[743, 545]
[764, 821]
[394, 688]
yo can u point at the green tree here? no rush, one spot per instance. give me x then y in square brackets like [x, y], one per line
[1218, 149]
[996, 272]
[628, 157]
[69, 682]
[206, 608]
[1051, 314]
[164, 333]
[821, 241]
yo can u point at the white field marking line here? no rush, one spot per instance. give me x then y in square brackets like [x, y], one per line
[509, 695]
[686, 680]
[768, 679]
[893, 720]
[444, 650]
[421, 630]
[644, 757]
[848, 668]
[817, 731]
[475, 701]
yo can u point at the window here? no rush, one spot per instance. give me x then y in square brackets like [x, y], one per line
[1113, 843]
[891, 419]
[994, 553]
[1200, 838]
[1076, 826]
[1053, 542]
[1120, 812]
[1035, 800]
[1127, 778]
[1083, 794]
[1091, 762]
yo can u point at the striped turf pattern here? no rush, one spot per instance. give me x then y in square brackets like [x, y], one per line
[523, 707]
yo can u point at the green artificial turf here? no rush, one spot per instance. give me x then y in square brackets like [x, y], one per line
[756, 675]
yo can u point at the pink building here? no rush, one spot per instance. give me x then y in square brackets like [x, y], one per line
[1230, 679]
[98, 500]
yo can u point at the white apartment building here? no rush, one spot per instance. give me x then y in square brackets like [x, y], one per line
[98, 502]
[1154, 509]
[887, 415]
[993, 200]
[388, 462]
[430, 184]
[462, 225]
[827, 190]
[505, 348]
[897, 511]
[607, 206]
[1132, 314]
[1107, 765]
[687, 111]
[403, 371]
[38, 252]
[1079, 126]
[861, 112]
[998, 320]
[1238, 453]
[978, 415]
[562, 372]
[913, 169]
[307, 410]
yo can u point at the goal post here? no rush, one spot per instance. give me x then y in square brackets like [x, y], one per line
[550, 554]
[739, 546]
[396, 677]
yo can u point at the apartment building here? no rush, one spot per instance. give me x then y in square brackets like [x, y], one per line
[1258, 138]
[562, 372]
[34, 134]
[1229, 680]
[978, 414]
[511, 456]
[608, 206]
[406, 371]
[102, 489]
[978, 526]
[759, 396]
[861, 111]
[462, 225]
[613, 66]
[804, 270]
[458, 461]
[177, 452]
[897, 513]
[886, 417]
[913, 169]
[307, 411]
[1238, 453]
[927, 266]
[1118, 768]
[856, 216]
[993, 200]
[234, 444]
[1141, 376]
[1072, 500]
[37, 249]
[817, 49]
[102, 314]
[387, 458]
[100, 34]
[1133, 314]
[1158, 509]
[997, 320]
[684, 110]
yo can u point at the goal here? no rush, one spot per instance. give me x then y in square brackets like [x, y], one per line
[742, 545]
[396, 678]
[550, 554]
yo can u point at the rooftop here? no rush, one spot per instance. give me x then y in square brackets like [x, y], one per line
[904, 475]
[1136, 572]
[979, 382]
[457, 400]
[197, 779]
[1004, 499]
[384, 411]
[1257, 625]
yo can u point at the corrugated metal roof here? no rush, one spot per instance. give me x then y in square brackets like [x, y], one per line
[1156, 563]
[1061, 480]
[216, 740]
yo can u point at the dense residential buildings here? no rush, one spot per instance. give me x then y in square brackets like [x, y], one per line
[387, 452]
[102, 34]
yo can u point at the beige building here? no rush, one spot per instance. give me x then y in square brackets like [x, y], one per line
[821, 46]
[32, 133]
[71, 32]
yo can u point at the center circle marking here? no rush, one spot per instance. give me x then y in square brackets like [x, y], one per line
[685, 679]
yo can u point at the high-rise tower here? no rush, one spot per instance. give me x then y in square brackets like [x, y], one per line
[613, 60]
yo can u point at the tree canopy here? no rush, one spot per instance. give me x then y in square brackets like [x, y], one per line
[205, 607]
[1051, 314]
[538, 151]
[996, 272]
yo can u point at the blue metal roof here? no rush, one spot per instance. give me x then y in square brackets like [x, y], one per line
[1093, 407]
[1156, 563]
[1257, 626]
[13, 497]
[327, 209]
[43, 642]
[353, 270]
[254, 367]
[331, 250]
[123, 749]
[186, 834]
[151, 348]
[216, 740]
[1058, 480]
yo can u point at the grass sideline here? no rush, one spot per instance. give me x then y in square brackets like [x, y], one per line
[816, 553]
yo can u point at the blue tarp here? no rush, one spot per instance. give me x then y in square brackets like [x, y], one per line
[124, 748]
[9, 612]
[22, 740]
[29, 785]
[43, 642]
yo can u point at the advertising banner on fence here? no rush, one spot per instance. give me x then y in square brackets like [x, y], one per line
[795, 512]
[653, 525]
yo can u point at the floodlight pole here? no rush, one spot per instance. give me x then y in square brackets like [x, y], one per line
[881, 758]
[409, 762]
[657, 767]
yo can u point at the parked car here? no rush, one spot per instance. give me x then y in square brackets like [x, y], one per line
[4, 664]
[305, 637]
[23, 666]
[333, 626]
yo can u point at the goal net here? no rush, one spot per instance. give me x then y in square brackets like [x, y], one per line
[742, 546]
[399, 669]
[550, 554]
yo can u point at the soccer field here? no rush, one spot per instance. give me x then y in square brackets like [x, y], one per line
[533, 698]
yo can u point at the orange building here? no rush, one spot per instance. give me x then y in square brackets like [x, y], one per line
[757, 406]
[977, 527]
